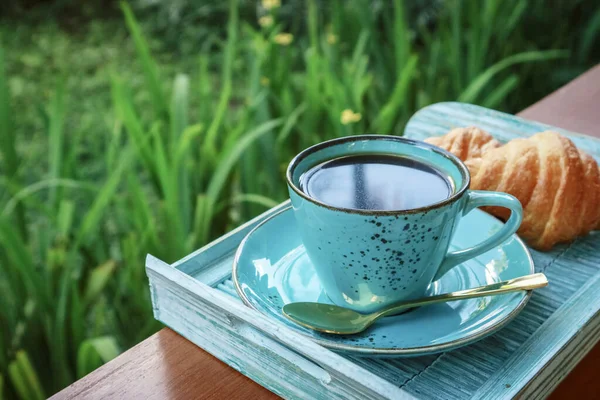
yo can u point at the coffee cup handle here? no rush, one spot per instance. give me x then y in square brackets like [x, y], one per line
[478, 198]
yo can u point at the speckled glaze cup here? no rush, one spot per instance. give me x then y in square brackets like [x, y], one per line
[367, 259]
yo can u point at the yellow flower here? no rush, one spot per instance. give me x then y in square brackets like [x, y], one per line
[270, 4]
[264, 81]
[265, 21]
[284, 38]
[349, 117]
[332, 38]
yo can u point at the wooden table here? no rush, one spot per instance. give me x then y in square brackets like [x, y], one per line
[167, 366]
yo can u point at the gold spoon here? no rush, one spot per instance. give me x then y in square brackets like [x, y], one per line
[343, 321]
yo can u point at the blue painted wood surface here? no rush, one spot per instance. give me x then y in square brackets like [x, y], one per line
[527, 358]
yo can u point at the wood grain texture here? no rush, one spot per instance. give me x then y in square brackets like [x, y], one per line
[575, 106]
[583, 382]
[549, 368]
[167, 366]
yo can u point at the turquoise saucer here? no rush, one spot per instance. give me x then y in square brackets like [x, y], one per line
[271, 269]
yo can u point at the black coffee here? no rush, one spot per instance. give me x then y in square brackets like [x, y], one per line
[375, 182]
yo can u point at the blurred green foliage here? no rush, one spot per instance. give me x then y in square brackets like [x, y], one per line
[120, 138]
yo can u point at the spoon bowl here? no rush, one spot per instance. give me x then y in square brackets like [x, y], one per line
[327, 317]
[334, 319]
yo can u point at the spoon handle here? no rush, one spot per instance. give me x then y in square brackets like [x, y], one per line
[526, 282]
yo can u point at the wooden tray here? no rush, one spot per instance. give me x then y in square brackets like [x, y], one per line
[529, 357]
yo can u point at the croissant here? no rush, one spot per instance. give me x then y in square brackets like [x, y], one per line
[557, 184]
[465, 143]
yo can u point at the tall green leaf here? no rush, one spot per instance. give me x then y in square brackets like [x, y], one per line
[7, 133]
[385, 119]
[22, 264]
[24, 378]
[97, 281]
[402, 35]
[152, 78]
[8, 150]
[93, 216]
[227, 79]
[179, 122]
[56, 136]
[139, 137]
[95, 352]
[231, 156]
[590, 36]
[501, 92]
[475, 88]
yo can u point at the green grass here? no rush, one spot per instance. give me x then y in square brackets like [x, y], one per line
[112, 148]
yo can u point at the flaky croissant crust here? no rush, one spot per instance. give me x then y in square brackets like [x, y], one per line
[465, 143]
[557, 184]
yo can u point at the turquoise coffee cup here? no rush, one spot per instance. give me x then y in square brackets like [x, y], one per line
[367, 259]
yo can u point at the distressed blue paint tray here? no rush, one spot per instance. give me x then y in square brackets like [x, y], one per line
[528, 357]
